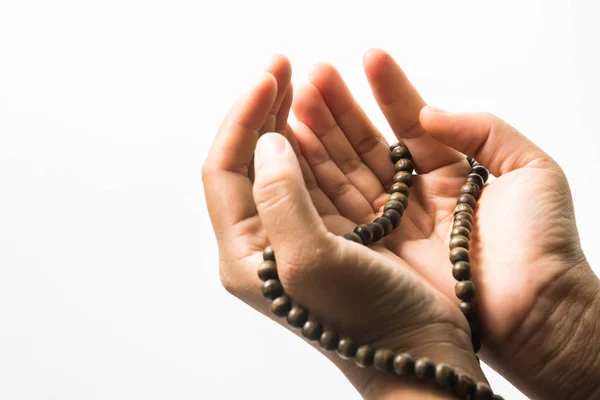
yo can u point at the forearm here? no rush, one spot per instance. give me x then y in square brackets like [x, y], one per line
[556, 355]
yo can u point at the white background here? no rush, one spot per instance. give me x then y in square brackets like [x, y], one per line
[108, 267]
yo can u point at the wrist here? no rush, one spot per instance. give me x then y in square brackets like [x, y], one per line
[442, 344]
[556, 354]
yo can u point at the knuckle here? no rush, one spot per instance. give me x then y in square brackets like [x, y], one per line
[271, 193]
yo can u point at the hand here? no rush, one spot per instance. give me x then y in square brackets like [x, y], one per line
[525, 247]
[366, 293]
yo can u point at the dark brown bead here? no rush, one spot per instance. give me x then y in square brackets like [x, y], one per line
[470, 188]
[347, 348]
[481, 171]
[378, 231]
[269, 254]
[462, 222]
[384, 360]
[470, 160]
[467, 199]
[386, 223]
[475, 328]
[400, 187]
[312, 330]
[459, 254]
[395, 205]
[445, 376]
[463, 207]
[353, 237]
[483, 392]
[460, 231]
[461, 271]
[459, 241]
[424, 368]
[464, 386]
[404, 177]
[297, 317]
[404, 164]
[401, 197]
[404, 365]
[469, 309]
[365, 233]
[281, 306]
[364, 357]
[399, 152]
[393, 146]
[394, 216]
[329, 340]
[267, 270]
[465, 290]
[476, 179]
[463, 216]
[272, 289]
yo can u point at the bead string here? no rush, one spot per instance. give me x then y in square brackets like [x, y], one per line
[443, 376]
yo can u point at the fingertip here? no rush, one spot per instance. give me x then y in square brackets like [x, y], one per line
[270, 145]
[374, 59]
[322, 73]
[280, 67]
[305, 98]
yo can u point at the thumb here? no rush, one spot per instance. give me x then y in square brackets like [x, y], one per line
[485, 137]
[291, 221]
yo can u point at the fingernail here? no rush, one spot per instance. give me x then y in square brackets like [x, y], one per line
[269, 145]
[436, 110]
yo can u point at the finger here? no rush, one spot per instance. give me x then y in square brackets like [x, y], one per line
[367, 141]
[281, 118]
[286, 211]
[401, 104]
[348, 200]
[281, 69]
[311, 110]
[225, 171]
[491, 141]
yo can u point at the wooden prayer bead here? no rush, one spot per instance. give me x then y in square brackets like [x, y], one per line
[483, 392]
[396, 205]
[401, 197]
[463, 207]
[400, 187]
[365, 233]
[481, 171]
[281, 306]
[470, 160]
[462, 222]
[378, 231]
[459, 254]
[465, 290]
[353, 237]
[459, 241]
[394, 216]
[386, 223]
[424, 368]
[460, 231]
[404, 365]
[329, 340]
[267, 270]
[467, 199]
[364, 357]
[272, 289]
[384, 360]
[269, 254]
[470, 188]
[469, 309]
[476, 343]
[312, 330]
[464, 386]
[404, 177]
[404, 164]
[347, 348]
[476, 179]
[461, 271]
[297, 317]
[445, 376]
[463, 216]
[399, 152]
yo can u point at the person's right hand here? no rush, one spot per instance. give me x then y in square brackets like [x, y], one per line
[366, 293]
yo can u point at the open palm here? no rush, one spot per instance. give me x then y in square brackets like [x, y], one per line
[348, 171]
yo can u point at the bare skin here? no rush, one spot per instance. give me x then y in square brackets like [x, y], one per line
[333, 172]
